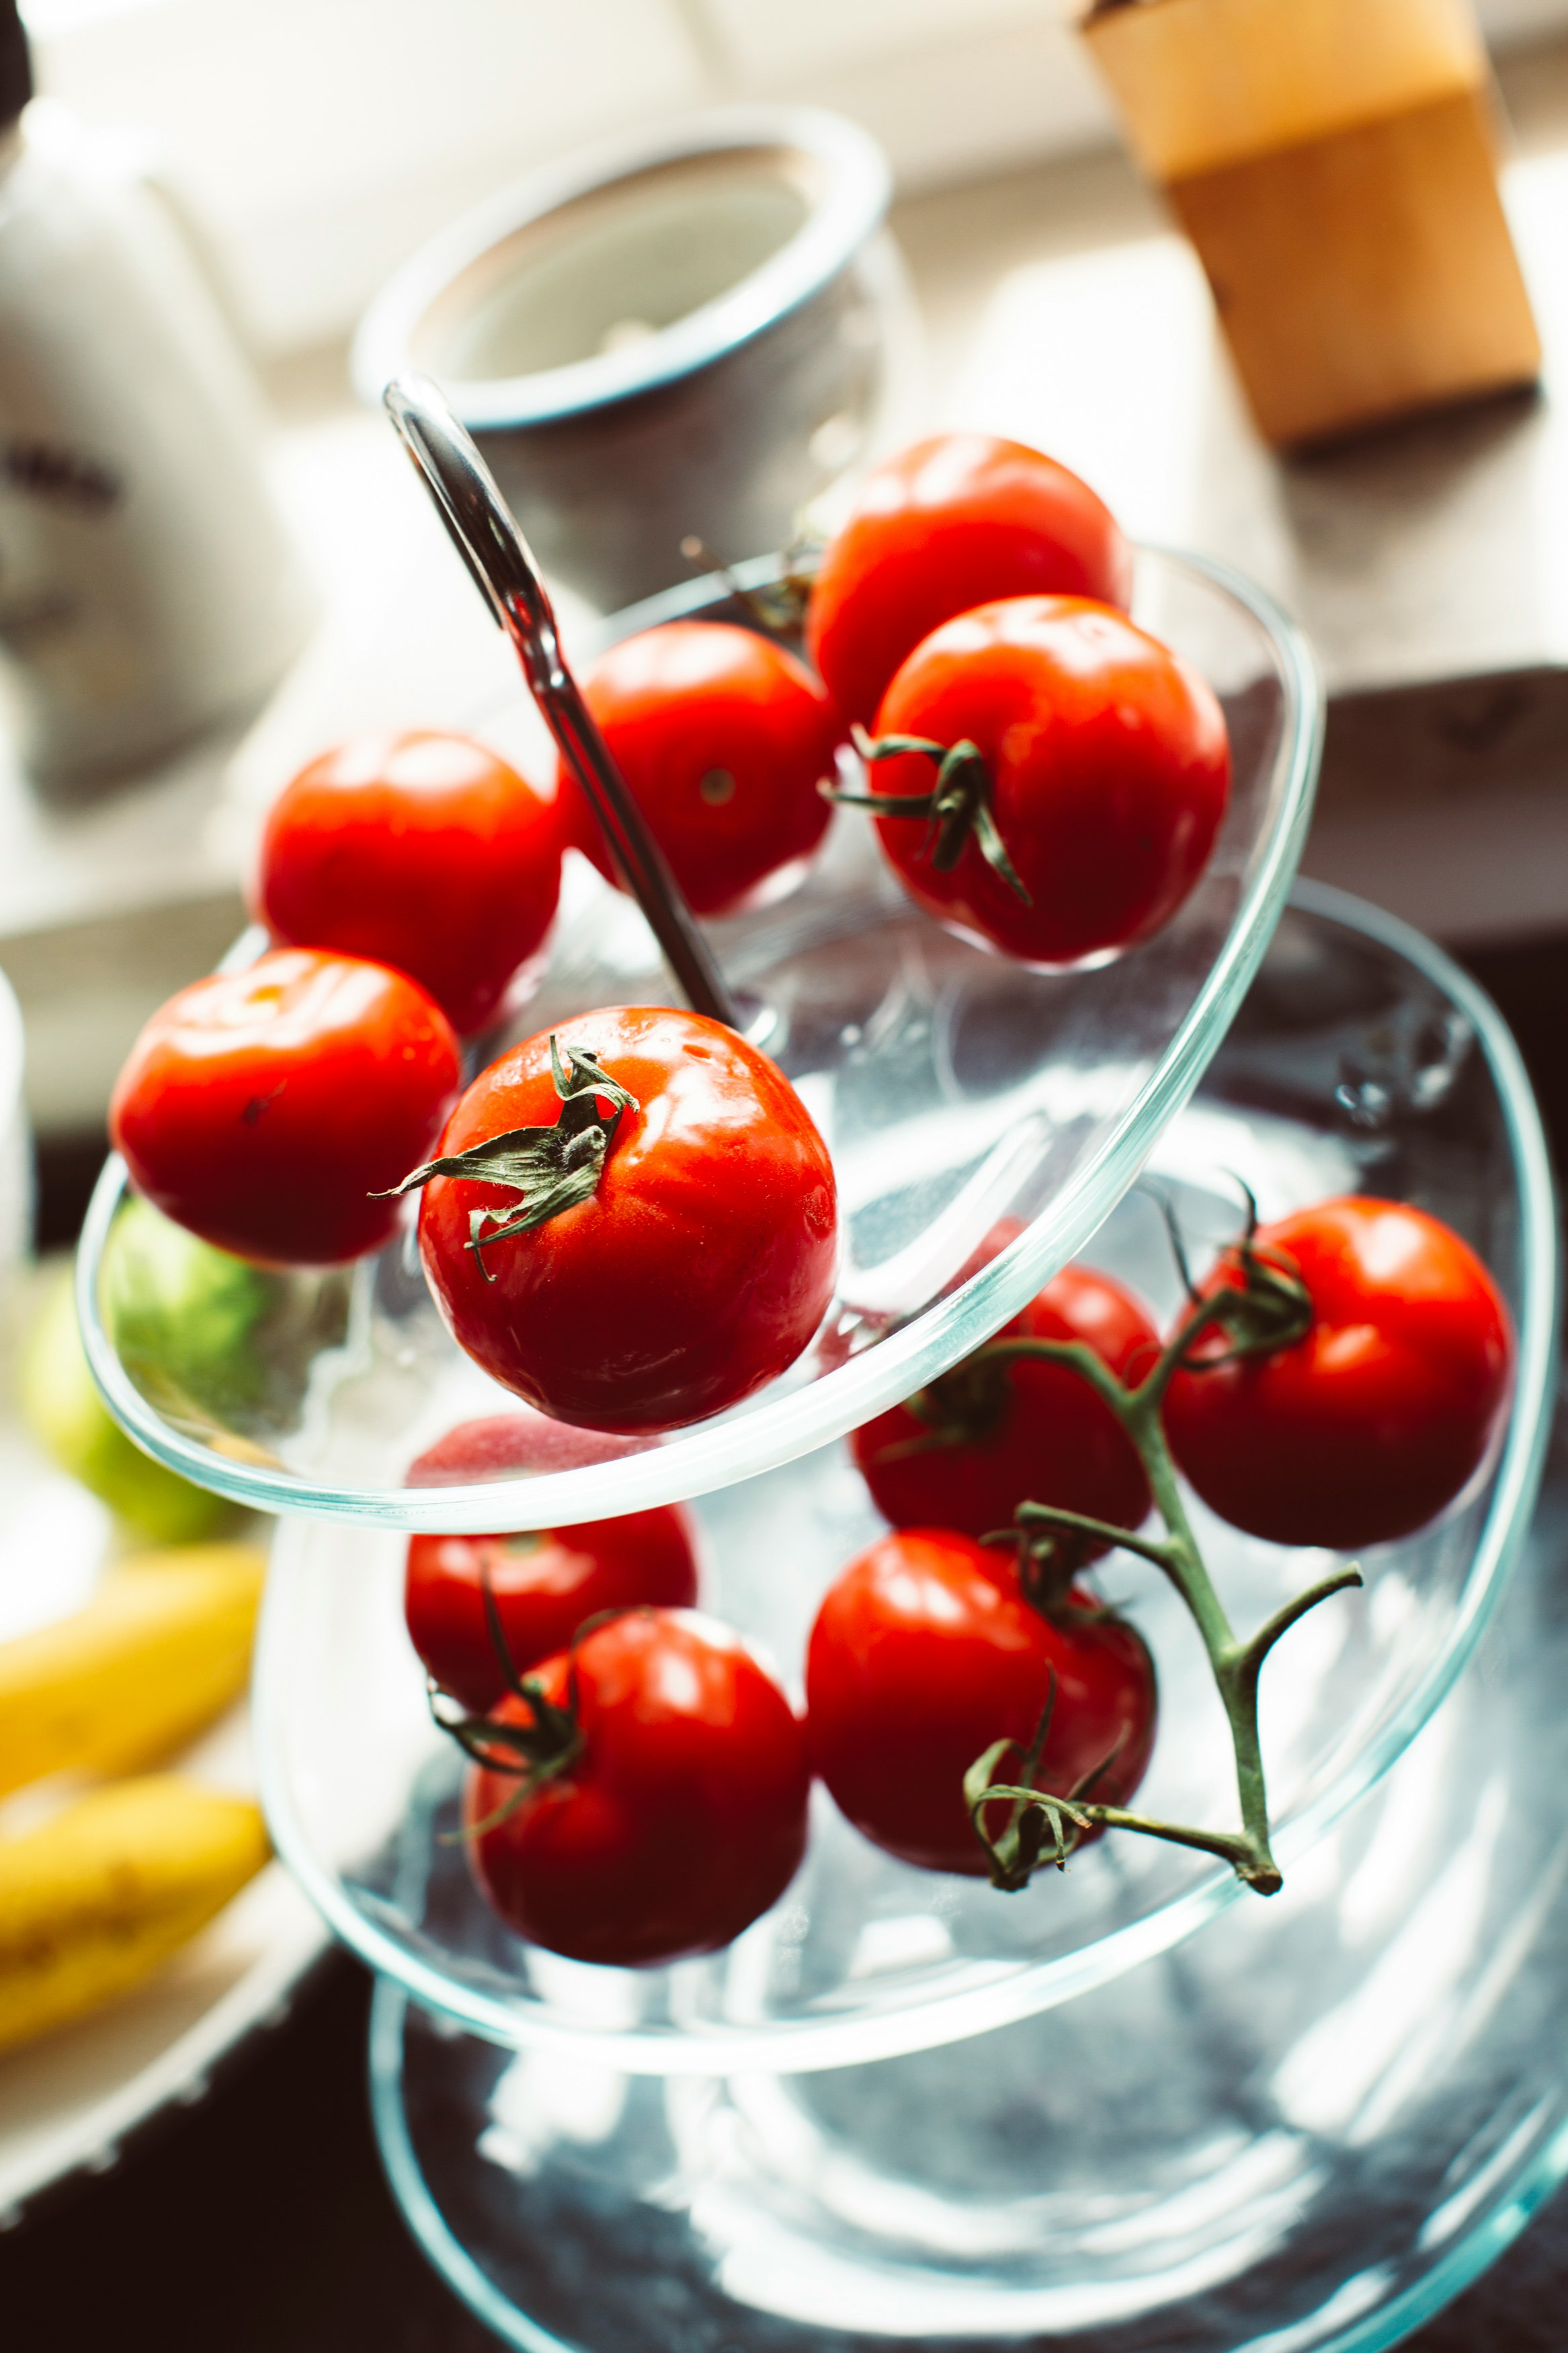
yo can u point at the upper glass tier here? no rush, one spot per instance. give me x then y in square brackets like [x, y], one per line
[954, 1089]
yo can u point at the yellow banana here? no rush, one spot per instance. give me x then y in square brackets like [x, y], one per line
[92, 1901]
[161, 1649]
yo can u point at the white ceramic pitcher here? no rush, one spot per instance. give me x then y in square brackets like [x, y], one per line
[148, 587]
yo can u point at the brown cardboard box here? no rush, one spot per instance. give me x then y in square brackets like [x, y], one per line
[1335, 163]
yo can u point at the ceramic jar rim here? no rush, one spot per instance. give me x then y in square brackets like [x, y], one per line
[857, 185]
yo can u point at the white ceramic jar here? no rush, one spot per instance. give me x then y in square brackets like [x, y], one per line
[687, 331]
[148, 587]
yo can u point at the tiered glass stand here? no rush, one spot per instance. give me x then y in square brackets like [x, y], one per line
[1129, 2108]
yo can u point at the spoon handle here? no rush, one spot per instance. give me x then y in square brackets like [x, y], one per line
[489, 543]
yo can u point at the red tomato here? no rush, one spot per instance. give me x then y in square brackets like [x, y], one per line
[723, 738]
[1106, 773]
[265, 1109]
[1374, 1421]
[953, 523]
[546, 1584]
[683, 1814]
[692, 1270]
[422, 850]
[499, 1445]
[986, 1437]
[923, 1653]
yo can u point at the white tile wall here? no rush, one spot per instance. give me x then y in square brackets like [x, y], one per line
[321, 140]
[764, 38]
[960, 107]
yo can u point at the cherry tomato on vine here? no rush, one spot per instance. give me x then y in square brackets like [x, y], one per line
[954, 523]
[631, 1221]
[723, 738]
[974, 1444]
[546, 1585]
[924, 1652]
[422, 850]
[1373, 1421]
[676, 1811]
[1095, 779]
[264, 1110]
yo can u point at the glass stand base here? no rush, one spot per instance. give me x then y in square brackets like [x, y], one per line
[1308, 2126]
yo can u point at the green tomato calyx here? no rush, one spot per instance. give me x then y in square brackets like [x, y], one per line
[956, 809]
[548, 1168]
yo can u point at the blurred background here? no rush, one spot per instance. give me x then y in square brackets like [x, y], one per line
[1035, 287]
[321, 140]
[197, 211]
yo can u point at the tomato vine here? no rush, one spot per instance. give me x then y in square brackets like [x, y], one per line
[1269, 1310]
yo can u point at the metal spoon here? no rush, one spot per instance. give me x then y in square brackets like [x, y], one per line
[497, 554]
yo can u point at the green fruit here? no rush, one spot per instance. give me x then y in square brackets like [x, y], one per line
[183, 1318]
[220, 1349]
[63, 1409]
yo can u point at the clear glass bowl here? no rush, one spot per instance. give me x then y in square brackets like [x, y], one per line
[1302, 2131]
[1362, 1060]
[954, 1089]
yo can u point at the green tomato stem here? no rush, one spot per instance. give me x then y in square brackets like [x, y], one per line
[957, 809]
[1270, 1312]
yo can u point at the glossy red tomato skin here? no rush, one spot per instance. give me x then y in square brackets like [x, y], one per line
[420, 850]
[1372, 1424]
[1058, 1442]
[682, 1821]
[501, 1445]
[956, 521]
[263, 1109]
[1110, 766]
[545, 1584]
[723, 737]
[922, 1654]
[700, 1269]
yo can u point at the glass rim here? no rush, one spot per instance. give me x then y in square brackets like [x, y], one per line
[710, 1456]
[1516, 2198]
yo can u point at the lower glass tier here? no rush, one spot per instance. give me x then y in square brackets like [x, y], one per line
[1362, 1062]
[1308, 2127]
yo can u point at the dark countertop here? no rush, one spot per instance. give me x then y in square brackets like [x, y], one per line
[259, 2220]
[260, 2223]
